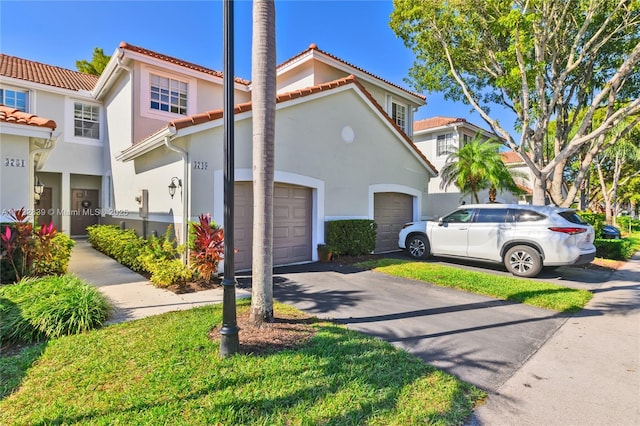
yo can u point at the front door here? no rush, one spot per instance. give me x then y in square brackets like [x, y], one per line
[44, 207]
[84, 210]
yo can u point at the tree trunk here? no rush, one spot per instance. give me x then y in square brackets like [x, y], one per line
[539, 192]
[264, 111]
[493, 193]
[617, 170]
[605, 194]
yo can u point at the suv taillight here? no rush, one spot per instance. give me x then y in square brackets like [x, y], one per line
[568, 230]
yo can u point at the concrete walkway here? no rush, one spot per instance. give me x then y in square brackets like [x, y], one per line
[588, 373]
[131, 294]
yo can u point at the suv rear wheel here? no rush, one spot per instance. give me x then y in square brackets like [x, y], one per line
[418, 247]
[523, 261]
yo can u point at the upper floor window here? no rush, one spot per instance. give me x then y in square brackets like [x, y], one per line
[445, 144]
[399, 115]
[168, 95]
[466, 139]
[86, 120]
[18, 99]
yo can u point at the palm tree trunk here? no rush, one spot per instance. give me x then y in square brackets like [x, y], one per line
[264, 113]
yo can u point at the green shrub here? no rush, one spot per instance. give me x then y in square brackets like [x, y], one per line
[156, 256]
[121, 244]
[621, 249]
[597, 220]
[623, 223]
[27, 251]
[165, 272]
[351, 237]
[57, 262]
[38, 308]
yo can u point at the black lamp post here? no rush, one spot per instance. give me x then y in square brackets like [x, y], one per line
[229, 341]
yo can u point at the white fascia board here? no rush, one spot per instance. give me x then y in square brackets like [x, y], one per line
[159, 63]
[105, 76]
[26, 130]
[376, 81]
[149, 144]
[46, 88]
[454, 126]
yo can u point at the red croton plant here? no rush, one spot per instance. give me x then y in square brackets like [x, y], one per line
[22, 245]
[208, 247]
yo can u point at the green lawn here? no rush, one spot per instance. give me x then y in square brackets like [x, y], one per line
[530, 292]
[634, 237]
[165, 370]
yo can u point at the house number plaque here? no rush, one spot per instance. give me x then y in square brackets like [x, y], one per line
[200, 165]
[14, 162]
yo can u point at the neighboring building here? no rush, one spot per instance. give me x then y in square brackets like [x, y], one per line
[69, 160]
[437, 137]
[514, 162]
[343, 148]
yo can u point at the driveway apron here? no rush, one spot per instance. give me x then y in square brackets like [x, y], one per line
[481, 340]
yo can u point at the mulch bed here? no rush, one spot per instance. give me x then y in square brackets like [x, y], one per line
[287, 331]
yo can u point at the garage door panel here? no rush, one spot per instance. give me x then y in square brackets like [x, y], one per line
[391, 211]
[292, 224]
[280, 232]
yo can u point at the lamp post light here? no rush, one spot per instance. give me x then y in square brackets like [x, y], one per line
[229, 340]
[38, 189]
[173, 186]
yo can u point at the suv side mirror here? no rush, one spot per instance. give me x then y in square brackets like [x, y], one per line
[440, 222]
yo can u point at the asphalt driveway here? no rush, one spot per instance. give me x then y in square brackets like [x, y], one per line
[481, 340]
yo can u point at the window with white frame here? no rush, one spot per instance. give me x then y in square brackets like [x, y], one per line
[399, 114]
[86, 120]
[466, 139]
[168, 94]
[18, 99]
[445, 144]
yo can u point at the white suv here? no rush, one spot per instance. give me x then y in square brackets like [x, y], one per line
[525, 238]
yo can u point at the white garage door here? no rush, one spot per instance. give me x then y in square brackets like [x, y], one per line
[391, 210]
[291, 224]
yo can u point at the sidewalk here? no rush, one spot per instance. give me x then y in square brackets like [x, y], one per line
[131, 294]
[588, 373]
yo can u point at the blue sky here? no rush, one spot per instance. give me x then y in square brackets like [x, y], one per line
[61, 32]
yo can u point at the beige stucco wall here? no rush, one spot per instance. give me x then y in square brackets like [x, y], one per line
[311, 151]
[15, 173]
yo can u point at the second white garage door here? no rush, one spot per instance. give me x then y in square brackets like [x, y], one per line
[391, 211]
[291, 224]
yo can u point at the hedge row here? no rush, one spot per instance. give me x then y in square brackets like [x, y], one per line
[157, 257]
[621, 249]
[351, 237]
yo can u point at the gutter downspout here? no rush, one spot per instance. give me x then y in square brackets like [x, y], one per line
[130, 71]
[51, 144]
[185, 197]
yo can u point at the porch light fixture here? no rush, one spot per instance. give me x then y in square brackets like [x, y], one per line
[173, 186]
[38, 189]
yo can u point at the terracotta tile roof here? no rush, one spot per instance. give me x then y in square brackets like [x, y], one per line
[192, 120]
[526, 189]
[176, 61]
[36, 72]
[14, 116]
[509, 157]
[314, 47]
[433, 122]
[351, 79]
